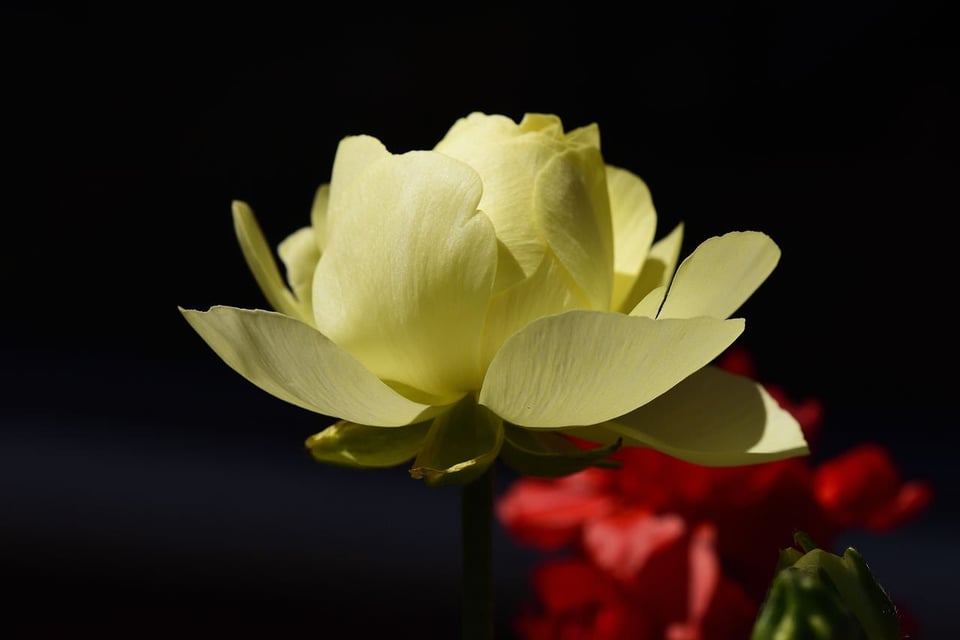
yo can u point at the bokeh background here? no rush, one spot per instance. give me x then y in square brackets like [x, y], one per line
[147, 489]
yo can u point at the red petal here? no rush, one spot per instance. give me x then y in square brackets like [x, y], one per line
[649, 478]
[750, 536]
[739, 361]
[574, 583]
[580, 602]
[704, 571]
[912, 499]
[732, 613]
[547, 514]
[862, 484]
[622, 543]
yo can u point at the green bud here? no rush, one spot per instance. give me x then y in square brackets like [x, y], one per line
[821, 596]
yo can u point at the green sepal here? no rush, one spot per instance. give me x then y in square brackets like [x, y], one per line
[858, 588]
[549, 454]
[818, 594]
[462, 443]
[788, 557]
[800, 607]
[350, 444]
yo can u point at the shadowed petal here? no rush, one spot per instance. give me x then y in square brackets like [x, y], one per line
[297, 363]
[573, 215]
[585, 367]
[262, 264]
[712, 418]
[300, 255]
[634, 225]
[657, 268]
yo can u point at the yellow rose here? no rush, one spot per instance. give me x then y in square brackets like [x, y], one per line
[478, 299]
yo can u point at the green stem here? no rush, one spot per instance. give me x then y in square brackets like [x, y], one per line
[476, 521]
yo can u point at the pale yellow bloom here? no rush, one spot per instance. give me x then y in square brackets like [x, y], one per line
[491, 293]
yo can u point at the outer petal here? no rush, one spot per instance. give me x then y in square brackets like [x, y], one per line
[573, 213]
[720, 275]
[657, 269]
[634, 225]
[713, 418]
[260, 259]
[300, 257]
[405, 282]
[585, 367]
[296, 363]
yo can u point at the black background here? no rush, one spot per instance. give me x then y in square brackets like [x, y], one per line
[143, 483]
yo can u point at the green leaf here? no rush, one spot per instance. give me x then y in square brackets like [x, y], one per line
[549, 454]
[356, 445]
[461, 444]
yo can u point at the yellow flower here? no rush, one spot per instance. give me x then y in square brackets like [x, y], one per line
[480, 298]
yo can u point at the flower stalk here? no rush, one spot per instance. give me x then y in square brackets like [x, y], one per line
[476, 518]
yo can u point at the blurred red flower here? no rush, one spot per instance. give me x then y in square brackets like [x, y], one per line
[665, 549]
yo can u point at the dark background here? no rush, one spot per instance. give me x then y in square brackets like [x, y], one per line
[145, 487]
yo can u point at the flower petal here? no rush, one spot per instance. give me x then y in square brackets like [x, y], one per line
[622, 543]
[318, 216]
[705, 572]
[507, 159]
[568, 587]
[720, 275]
[461, 444]
[355, 154]
[714, 418]
[573, 214]
[260, 259]
[298, 364]
[657, 268]
[585, 367]
[404, 284]
[634, 225]
[862, 487]
[547, 291]
[650, 305]
[356, 445]
[300, 256]
[548, 515]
